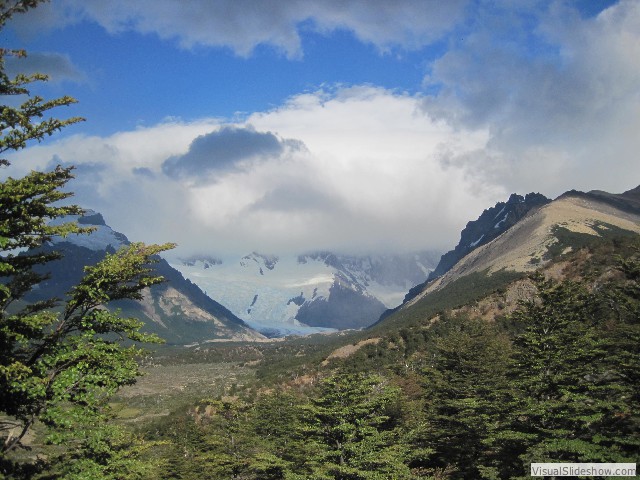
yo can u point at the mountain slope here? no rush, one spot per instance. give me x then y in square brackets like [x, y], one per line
[628, 201]
[177, 310]
[489, 225]
[543, 234]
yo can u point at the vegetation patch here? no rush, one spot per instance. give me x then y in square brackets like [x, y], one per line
[568, 239]
[463, 291]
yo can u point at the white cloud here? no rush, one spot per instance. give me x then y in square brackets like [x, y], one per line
[244, 24]
[534, 98]
[560, 98]
[370, 178]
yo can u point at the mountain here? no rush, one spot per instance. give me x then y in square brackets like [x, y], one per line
[489, 225]
[177, 310]
[546, 232]
[628, 201]
[310, 292]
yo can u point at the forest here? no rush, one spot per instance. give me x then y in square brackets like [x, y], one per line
[557, 380]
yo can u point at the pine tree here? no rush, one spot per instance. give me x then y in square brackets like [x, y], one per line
[565, 371]
[228, 445]
[465, 389]
[619, 313]
[277, 424]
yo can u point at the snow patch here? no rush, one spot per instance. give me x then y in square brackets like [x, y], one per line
[473, 244]
[100, 239]
[497, 225]
[500, 212]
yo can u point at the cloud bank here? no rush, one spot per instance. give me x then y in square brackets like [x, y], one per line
[533, 97]
[369, 177]
[560, 98]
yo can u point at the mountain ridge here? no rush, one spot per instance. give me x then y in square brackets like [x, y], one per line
[491, 223]
[177, 310]
[545, 232]
[488, 226]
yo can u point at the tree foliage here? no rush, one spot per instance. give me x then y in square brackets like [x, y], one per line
[457, 398]
[573, 399]
[351, 430]
[60, 359]
[466, 390]
[454, 398]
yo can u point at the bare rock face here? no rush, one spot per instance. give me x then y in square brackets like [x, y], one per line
[525, 233]
[492, 223]
[531, 242]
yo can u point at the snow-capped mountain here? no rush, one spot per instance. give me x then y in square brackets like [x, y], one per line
[310, 292]
[177, 310]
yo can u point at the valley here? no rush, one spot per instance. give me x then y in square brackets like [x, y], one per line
[309, 293]
[335, 240]
[240, 389]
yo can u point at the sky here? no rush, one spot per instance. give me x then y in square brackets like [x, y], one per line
[287, 126]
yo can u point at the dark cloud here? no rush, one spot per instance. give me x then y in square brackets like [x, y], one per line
[299, 197]
[222, 150]
[57, 66]
[143, 172]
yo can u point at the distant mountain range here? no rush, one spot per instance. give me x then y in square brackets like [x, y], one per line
[177, 310]
[310, 292]
[269, 296]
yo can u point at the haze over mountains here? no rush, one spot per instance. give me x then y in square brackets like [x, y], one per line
[259, 296]
[177, 310]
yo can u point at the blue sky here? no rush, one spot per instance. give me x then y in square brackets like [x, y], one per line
[127, 78]
[239, 125]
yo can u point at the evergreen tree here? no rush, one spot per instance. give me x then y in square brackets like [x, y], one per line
[351, 433]
[571, 396]
[229, 446]
[277, 423]
[619, 313]
[465, 391]
[59, 362]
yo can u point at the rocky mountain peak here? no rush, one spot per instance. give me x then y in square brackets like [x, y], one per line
[489, 225]
[91, 217]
